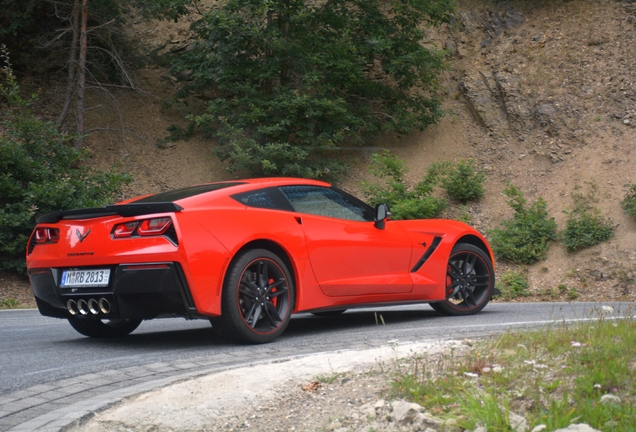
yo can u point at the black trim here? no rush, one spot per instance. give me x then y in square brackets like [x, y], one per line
[31, 244]
[134, 291]
[368, 305]
[125, 210]
[186, 294]
[427, 254]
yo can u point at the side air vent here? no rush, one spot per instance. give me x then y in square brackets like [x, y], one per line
[427, 254]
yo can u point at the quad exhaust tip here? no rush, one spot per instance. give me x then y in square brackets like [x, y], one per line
[71, 305]
[104, 306]
[82, 306]
[92, 306]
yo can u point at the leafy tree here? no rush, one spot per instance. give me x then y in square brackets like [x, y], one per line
[16, 15]
[84, 37]
[40, 172]
[290, 81]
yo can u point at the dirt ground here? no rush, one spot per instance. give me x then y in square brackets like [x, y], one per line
[578, 56]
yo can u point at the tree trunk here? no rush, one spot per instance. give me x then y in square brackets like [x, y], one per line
[81, 84]
[72, 63]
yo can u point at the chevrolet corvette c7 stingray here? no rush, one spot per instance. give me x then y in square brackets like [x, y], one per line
[246, 255]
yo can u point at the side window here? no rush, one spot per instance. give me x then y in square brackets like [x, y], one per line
[322, 201]
[270, 198]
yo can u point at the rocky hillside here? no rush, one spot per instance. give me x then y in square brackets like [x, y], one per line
[540, 93]
[553, 90]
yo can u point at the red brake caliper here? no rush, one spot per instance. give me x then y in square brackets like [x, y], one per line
[449, 282]
[273, 300]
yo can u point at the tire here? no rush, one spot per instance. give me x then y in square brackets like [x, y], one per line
[470, 281]
[258, 298]
[104, 328]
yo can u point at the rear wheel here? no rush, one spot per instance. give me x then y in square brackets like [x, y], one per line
[258, 298]
[470, 281]
[104, 328]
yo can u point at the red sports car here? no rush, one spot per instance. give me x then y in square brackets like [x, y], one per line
[247, 255]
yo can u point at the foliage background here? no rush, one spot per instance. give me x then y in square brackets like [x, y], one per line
[41, 171]
[291, 81]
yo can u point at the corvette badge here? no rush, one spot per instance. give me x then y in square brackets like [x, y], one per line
[80, 236]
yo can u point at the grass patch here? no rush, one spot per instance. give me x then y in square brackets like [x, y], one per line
[629, 202]
[555, 376]
[9, 303]
[329, 379]
[513, 284]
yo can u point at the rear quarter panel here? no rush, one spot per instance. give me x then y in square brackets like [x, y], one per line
[233, 228]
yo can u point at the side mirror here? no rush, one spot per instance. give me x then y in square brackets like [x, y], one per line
[382, 213]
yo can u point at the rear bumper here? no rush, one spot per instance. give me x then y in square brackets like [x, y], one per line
[135, 291]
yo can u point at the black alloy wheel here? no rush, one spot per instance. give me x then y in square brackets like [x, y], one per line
[258, 298]
[104, 328]
[470, 281]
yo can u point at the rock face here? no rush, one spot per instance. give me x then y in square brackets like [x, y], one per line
[495, 101]
[485, 100]
[543, 86]
[492, 95]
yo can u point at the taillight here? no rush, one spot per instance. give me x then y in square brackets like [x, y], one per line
[125, 229]
[157, 226]
[46, 235]
[43, 236]
[146, 228]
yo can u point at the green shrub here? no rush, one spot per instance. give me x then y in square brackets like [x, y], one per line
[405, 202]
[465, 183]
[513, 284]
[526, 237]
[585, 226]
[9, 303]
[40, 171]
[629, 203]
[585, 229]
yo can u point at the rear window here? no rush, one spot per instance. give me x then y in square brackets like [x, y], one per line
[269, 198]
[177, 194]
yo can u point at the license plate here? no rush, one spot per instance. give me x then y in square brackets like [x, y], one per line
[85, 278]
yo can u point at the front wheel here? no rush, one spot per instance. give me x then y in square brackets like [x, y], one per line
[470, 281]
[258, 297]
[104, 328]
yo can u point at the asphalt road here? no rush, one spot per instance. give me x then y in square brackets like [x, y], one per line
[47, 369]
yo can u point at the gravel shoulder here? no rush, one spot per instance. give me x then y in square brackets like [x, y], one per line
[333, 391]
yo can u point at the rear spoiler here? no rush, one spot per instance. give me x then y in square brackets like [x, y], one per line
[124, 210]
